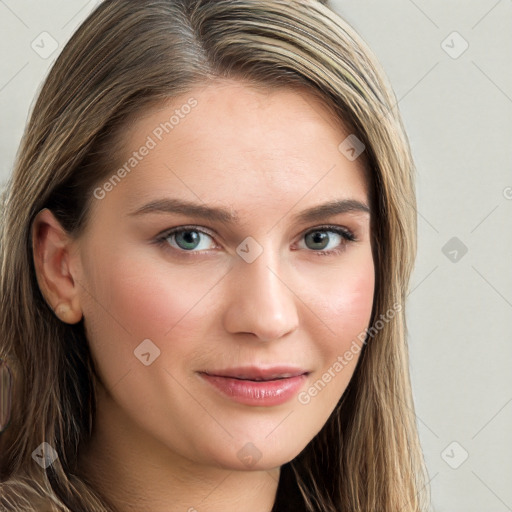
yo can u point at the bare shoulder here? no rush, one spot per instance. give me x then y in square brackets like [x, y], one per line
[21, 494]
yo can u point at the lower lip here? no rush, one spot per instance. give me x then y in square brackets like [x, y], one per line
[259, 393]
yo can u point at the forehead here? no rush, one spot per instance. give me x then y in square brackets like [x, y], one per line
[233, 143]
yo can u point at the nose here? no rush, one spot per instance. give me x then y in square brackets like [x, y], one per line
[261, 302]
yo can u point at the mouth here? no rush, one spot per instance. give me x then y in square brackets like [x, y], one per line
[258, 374]
[257, 386]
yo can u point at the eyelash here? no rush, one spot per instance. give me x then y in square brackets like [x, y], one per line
[346, 235]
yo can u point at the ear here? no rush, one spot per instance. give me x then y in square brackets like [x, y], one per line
[53, 250]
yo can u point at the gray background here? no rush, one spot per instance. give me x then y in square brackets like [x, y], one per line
[457, 108]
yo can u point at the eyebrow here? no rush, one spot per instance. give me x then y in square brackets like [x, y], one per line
[226, 216]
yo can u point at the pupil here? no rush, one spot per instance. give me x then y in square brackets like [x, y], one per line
[189, 238]
[319, 237]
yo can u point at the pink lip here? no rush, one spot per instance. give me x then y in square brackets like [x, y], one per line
[275, 385]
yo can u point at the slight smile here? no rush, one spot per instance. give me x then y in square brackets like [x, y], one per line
[257, 386]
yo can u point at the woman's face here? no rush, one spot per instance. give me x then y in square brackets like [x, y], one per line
[182, 330]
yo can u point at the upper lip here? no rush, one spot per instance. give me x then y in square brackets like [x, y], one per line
[259, 373]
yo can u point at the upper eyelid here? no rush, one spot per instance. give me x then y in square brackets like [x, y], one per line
[177, 229]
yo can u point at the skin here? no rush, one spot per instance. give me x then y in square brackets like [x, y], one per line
[164, 440]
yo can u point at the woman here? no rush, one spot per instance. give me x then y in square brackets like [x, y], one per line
[176, 334]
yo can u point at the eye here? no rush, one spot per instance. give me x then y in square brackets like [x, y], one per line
[185, 238]
[320, 238]
[191, 239]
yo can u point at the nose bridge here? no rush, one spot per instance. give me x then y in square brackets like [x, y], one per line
[261, 301]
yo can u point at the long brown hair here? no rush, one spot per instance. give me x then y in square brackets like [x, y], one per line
[125, 57]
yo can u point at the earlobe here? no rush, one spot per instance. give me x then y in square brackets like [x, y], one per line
[67, 313]
[52, 252]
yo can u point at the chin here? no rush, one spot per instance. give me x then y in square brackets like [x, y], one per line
[261, 455]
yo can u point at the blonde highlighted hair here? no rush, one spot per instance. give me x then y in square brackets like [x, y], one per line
[129, 55]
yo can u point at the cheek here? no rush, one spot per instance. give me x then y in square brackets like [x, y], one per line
[352, 300]
[148, 298]
[343, 298]
[344, 305]
[132, 299]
